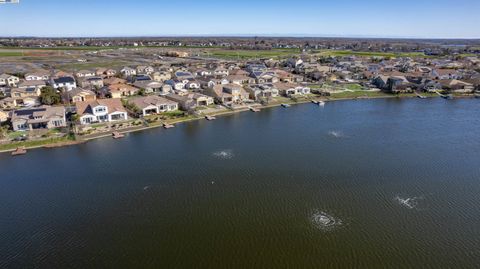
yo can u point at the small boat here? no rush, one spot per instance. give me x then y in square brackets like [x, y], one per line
[254, 109]
[168, 126]
[285, 105]
[19, 151]
[315, 102]
[117, 135]
[421, 97]
[321, 103]
[210, 117]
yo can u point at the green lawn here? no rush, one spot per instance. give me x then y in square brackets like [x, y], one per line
[36, 143]
[92, 65]
[369, 53]
[10, 53]
[359, 94]
[252, 54]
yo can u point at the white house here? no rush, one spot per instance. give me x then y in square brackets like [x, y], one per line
[101, 110]
[40, 75]
[67, 83]
[8, 80]
[128, 71]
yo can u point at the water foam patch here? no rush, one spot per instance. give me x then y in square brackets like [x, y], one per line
[224, 154]
[325, 221]
[336, 134]
[408, 202]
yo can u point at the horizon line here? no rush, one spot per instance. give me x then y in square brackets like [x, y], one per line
[249, 36]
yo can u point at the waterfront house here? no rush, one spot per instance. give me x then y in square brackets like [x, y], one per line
[191, 100]
[262, 91]
[101, 110]
[44, 117]
[443, 74]
[8, 80]
[229, 94]
[291, 89]
[454, 85]
[67, 83]
[153, 104]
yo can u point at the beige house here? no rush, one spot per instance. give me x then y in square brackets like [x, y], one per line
[3, 116]
[191, 100]
[80, 95]
[26, 96]
[120, 90]
[45, 117]
[230, 94]
[153, 104]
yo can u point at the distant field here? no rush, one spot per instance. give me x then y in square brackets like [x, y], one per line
[92, 65]
[252, 54]
[10, 54]
[369, 53]
[94, 48]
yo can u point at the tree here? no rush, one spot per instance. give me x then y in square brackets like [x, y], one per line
[50, 96]
[3, 132]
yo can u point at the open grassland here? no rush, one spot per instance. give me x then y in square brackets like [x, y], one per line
[11, 53]
[369, 53]
[252, 54]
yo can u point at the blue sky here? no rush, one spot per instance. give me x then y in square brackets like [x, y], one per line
[375, 18]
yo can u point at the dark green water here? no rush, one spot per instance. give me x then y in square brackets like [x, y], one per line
[357, 184]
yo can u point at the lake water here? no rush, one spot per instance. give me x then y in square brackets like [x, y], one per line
[356, 184]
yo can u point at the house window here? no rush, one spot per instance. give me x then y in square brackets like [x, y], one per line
[100, 109]
[57, 123]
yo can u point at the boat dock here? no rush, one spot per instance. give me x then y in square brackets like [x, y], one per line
[420, 96]
[254, 109]
[210, 117]
[19, 151]
[285, 105]
[168, 126]
[117, 135]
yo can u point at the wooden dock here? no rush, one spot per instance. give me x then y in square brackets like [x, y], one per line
[168, 126]
[285, 105]
[210, 117]
[19, 151]
[254, 109]
[420, 96]
[117, 135]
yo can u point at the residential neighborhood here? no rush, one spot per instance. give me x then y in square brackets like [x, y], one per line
[92, 101]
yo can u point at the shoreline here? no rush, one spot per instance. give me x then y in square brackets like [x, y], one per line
[83, 140]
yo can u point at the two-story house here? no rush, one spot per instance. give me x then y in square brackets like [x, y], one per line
[101, 110]
[45, 117]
